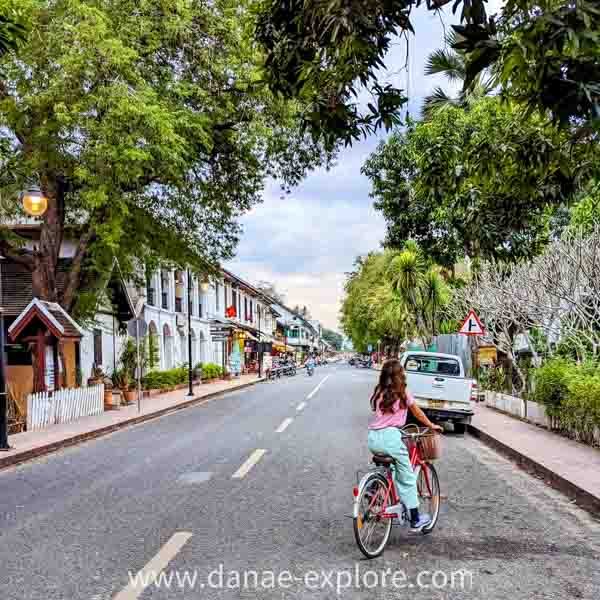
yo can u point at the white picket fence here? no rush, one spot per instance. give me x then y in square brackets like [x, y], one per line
[51, 408]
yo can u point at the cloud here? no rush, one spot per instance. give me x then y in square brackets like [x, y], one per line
[306, 242]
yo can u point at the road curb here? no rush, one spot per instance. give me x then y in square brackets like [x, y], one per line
[582, 498]
[16, 459]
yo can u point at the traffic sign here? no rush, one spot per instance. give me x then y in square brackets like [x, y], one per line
[472, 325]
[137, 327]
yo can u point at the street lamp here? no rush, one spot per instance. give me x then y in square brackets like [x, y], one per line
[34, 201]
[189, 291]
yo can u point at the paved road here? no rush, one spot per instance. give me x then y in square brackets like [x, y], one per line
[74, 524]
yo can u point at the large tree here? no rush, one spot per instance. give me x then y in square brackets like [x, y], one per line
[545, 51]
[482, 182]
[147, 127]
[11, 31]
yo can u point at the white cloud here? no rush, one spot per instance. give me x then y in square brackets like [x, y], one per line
[306, 242]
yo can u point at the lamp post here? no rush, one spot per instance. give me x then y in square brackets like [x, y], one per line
[189, 298]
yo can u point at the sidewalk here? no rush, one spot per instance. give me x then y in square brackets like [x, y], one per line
[30, 444]
[569, 466]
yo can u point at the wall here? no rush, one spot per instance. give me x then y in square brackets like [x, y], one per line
[110, 351]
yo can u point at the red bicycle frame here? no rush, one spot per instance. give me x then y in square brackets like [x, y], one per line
[391, 496]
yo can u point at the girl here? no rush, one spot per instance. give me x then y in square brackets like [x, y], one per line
[390, 402]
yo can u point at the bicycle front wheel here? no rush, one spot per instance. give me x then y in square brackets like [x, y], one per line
[371, 529]
[428, 489]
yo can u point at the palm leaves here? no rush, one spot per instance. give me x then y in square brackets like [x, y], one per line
[451, 63]
[11, 33]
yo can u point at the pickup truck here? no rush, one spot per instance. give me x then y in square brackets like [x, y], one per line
[439, 386]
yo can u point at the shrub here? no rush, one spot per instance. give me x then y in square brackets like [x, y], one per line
[165, 379]
[210, 371]
[552, 384]
[580, 412]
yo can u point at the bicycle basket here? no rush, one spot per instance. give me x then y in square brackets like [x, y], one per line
[430, 446]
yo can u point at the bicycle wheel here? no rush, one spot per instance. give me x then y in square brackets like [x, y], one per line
[428, 488]
[371, 529]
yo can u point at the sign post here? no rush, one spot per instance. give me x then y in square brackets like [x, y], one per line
[472, 325]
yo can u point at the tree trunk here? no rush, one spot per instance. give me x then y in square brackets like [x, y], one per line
[45, 264]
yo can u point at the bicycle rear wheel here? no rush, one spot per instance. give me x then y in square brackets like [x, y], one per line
[371, 529]
[428, 489]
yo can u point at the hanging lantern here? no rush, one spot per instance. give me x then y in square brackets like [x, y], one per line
[205, 285]
[34, 202]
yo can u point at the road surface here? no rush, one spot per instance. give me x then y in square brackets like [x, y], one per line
[248, 496]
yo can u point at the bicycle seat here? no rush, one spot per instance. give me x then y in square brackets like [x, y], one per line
[383, 460]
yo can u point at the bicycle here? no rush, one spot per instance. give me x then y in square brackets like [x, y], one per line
[377, 491]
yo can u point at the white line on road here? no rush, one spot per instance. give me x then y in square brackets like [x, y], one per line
[252, 460]
[140, 581]
[301, 406]
[286, 423]
[317, 388]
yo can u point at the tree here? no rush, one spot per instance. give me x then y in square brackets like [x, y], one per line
[148, 129]
[393, 296]
[481, 183]
[545, 52]
[11, 32]
[333, 338]
[451, 64]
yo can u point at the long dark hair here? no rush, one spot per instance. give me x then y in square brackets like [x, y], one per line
[391, 387]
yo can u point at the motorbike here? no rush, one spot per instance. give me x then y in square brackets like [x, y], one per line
[310, 371]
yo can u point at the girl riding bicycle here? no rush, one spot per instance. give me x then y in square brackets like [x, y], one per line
[391, 402]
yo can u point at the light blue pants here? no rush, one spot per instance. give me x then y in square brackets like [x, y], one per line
[389, 441]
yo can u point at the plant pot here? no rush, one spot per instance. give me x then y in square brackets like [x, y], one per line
[129, 396]
[108, 399]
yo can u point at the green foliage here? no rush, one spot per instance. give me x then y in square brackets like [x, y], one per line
[164, 380]
[581, 408]
[153, 350]
[493, 379]
[149, 130]
[11, 31]
[479, 183]
[585, 214]
[546, 53]
[552, 384]
[212, 371]
[392, 296]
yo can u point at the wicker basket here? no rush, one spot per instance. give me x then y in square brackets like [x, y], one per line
[430, 446]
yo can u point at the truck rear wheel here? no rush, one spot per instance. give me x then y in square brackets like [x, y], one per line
[459, 427]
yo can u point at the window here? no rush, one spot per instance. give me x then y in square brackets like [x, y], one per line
[97, 347]
[218, 300]
[251, 311]
[436, 365]
[246, 309]
[234, 299]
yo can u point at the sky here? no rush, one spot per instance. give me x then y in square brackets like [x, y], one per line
[306, 242]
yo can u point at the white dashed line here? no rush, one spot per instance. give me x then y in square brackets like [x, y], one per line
[286, 423]
[252, 460]
[140, 581]
[317, 388]
[301, 406]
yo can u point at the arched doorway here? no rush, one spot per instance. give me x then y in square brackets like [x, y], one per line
[153, 346]
[168, 342]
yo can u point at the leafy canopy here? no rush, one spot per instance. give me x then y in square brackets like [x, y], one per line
[545, 51]
[481, 182]
[147, 127]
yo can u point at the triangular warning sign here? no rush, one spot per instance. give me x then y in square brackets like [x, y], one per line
[472, 325]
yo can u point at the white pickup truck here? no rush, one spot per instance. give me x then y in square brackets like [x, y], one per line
[438, 383]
